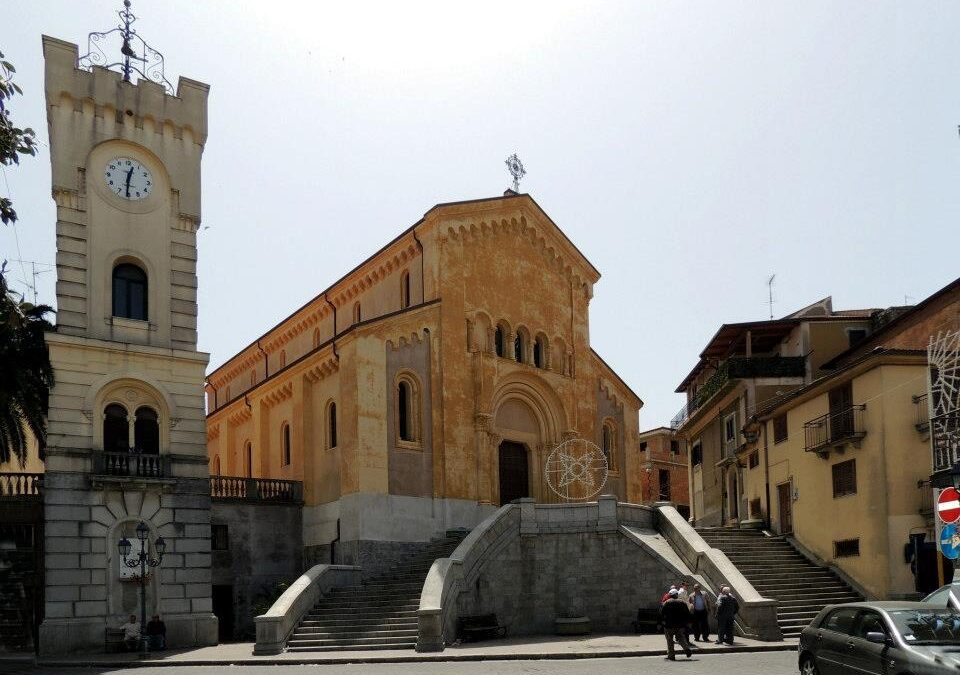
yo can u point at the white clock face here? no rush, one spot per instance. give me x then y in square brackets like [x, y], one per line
[128, 178]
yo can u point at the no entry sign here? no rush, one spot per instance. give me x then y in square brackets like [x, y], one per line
[948, 505]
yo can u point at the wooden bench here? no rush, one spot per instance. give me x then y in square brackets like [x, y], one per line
[478, 627]
[648, 621]
[114, 640]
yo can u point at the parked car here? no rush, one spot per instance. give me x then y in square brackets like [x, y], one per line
[945, 596]
[886, 638]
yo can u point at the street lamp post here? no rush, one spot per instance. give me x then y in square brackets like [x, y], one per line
[143, 560]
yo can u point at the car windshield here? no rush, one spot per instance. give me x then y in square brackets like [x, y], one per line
[928, 626]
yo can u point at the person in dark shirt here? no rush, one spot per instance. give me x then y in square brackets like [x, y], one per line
[676, 616]
[157, 633]
[726, 610]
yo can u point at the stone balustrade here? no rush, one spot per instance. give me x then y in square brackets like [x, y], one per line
[21, 485]
[256, 489]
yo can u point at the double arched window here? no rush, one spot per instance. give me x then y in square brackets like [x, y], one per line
[407, 418]
[518, 347]
[498, 341]
[117, 436]
[540, 352]
[129, 292]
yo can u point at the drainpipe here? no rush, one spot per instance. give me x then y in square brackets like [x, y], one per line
[423, 288]
[266, 361]
[766, 473]
[334, 326]
[216, 404]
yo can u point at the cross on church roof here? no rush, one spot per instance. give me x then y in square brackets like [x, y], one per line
[148, 64]
[515, 167]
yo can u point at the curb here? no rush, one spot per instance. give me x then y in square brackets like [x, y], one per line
[414, 658]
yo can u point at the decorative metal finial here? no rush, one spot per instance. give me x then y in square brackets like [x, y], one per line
[515, 167]
[148, 65]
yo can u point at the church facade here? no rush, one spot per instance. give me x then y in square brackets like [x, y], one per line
[429, 385]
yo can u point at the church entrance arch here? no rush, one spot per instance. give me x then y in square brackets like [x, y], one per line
[514, 472]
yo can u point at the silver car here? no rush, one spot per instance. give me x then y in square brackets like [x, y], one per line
[945, 596]
[886, 638]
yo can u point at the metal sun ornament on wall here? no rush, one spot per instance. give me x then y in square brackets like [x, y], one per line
[515, 167]
[576, 470]
[943, 356]
[147, 64]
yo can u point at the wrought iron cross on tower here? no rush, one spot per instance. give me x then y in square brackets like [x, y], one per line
[515, 167]
[148, 64]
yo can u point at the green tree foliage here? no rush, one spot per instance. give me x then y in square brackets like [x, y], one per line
[25, 372]
[14, 141]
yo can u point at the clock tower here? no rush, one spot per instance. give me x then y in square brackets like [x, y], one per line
[126, 456]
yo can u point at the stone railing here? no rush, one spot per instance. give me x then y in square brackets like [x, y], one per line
[275, 626]
[448, 577]
[256, 489]
[758, 615]
[21, 485]
[133, 463]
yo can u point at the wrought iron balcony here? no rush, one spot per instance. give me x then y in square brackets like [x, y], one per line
[926, 497]
[945, 430]
[17, 486]
[133, 463]
[256, 489]
[737, 368]
[834, 429]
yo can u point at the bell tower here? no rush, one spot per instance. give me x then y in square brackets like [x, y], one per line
[126, 421]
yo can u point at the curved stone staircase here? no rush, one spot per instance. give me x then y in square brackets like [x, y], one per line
[778, 571]
[381, 613]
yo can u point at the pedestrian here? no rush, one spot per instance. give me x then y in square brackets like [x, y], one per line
[157, 633]
[682, 591]
[676, 616]
[666, 596]
[131, 633]
[727, 609]
[700, 608]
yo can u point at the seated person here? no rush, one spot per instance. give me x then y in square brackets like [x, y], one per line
[157, 633]
[131, 633]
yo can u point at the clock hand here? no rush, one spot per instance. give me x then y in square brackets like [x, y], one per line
[129, 174]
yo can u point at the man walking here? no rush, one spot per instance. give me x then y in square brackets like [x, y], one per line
[727, 609]
[700, 607]
[676, 616]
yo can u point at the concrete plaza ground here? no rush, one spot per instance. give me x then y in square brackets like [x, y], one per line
[513, 649]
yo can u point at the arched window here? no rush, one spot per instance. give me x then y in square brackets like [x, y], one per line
[248, 459]
[518, 347]
[332, 425]
[408, 410]
[356, 312]
[116, 432]
[498, 341]
[146, 431]
[609, 444]
[405, 290]
[539, 352]
[129, 292]
[215, 470]
[285, 433]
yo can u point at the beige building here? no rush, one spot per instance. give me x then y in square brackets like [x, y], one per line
[429, 384]
[743, 366]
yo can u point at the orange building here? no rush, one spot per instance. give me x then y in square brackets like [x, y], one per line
[663, 468]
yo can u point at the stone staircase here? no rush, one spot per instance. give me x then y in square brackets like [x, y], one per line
[381, 613]
[779, 571]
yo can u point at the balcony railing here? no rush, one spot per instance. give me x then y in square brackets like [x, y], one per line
[740, 367]
[256, 489]
[926, 497]
[133, 463]
[834, 428]
[922, 413]
[20, 485]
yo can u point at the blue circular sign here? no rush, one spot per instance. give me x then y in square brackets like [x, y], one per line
[950, 542]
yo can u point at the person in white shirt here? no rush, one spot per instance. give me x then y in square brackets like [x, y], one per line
[131, 633]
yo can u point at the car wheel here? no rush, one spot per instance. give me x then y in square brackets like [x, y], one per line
[809, 667]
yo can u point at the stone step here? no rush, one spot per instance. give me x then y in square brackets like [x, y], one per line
[311, 634]
[356, 643]
[350, 646]
[377, 620]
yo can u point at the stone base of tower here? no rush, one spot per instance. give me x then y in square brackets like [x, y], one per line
[71, 636]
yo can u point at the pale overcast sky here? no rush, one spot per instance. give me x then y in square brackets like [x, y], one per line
[689, 149]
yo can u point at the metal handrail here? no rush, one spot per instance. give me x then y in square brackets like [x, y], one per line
[834, 428]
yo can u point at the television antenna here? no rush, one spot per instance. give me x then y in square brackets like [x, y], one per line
[770, 293]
